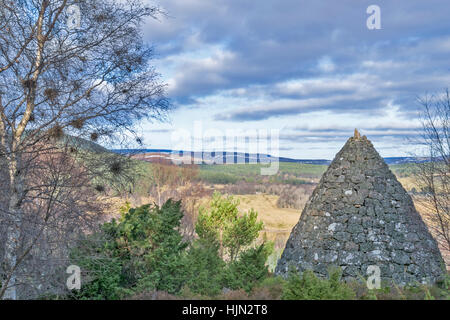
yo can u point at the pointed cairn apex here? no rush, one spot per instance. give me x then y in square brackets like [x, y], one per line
[357, 135]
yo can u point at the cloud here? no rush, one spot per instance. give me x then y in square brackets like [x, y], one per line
[325, 64]
[270, 63]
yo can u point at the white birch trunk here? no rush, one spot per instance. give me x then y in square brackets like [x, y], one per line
[13, 232]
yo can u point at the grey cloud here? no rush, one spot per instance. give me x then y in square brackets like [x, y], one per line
[398, 126]
[340, 135]
[265, 45]
[339, 104]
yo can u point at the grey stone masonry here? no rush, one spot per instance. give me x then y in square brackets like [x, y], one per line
[360, 215]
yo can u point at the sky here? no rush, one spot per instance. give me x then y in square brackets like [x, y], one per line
[310, 70]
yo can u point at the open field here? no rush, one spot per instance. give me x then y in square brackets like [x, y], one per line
[288, 173]
[276, 220]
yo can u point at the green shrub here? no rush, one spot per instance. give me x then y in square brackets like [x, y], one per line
[443, 286]
[222, 223]
[148, 237]
[142, 251]
[310, 287]
[222, 256]
[204, 268]
[249, 270]
[101, 272]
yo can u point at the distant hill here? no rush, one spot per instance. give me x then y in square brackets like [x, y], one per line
[84, 144]
[402, 160]
[158, 155]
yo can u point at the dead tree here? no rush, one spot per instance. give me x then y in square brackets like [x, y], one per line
[69, 69]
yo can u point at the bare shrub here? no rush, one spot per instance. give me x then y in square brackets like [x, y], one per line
[270, 289]
[433, 176]
[234, 295]
[241, 188]
[294, 197]
[170, 181]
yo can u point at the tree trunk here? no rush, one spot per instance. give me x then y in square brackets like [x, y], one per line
[11, 246]
[221, 243]
[9, 288]
[159, 198]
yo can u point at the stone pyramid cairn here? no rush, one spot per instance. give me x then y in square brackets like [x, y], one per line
[360, 215]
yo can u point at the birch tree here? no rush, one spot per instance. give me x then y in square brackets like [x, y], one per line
[433, 176]
[68, 68]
